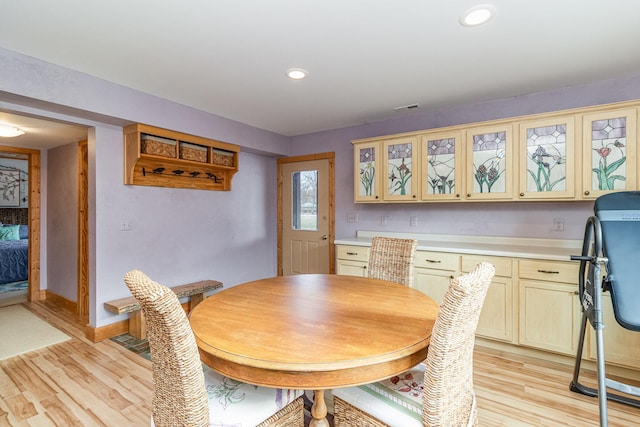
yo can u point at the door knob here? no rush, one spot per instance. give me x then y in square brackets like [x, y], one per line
[324, 237]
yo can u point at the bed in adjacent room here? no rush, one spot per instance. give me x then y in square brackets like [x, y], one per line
[14, 248]
[14, 253]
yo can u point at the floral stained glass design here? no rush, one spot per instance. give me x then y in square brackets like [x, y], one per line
[608, 158]
[489, 162]
[399, 179]
[441, 166]
[547, 158]
[367, 171]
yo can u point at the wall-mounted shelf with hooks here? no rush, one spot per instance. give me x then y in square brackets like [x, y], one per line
[164, 158]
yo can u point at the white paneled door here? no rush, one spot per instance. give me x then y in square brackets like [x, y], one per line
[306, 217]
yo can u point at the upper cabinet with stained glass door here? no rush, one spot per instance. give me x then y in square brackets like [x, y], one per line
[442, 157]
[401, 169]
[489, 157]
[547, 158]
[609, 151]
[368, 172]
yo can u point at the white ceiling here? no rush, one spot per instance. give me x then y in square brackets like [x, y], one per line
[364, 57]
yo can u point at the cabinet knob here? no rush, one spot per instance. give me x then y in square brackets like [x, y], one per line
[414, 196]
[376, 197]
[586, 193]
[521, 194]
[468, 195]
[457, 195]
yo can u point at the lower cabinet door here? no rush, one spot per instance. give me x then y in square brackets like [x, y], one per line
[549, 316]
[496, 318]
[433, 283]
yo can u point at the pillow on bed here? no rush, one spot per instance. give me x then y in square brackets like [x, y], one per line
[24, 232]
[10, 232]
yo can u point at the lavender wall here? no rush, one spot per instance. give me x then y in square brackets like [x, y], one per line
[531, 219]
[62, 221]
[177, 235]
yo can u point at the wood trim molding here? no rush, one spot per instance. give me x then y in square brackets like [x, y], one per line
[83, 231]
[60, 301]
[33, 158]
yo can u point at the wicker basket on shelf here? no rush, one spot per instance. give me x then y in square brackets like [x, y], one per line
[222, 157]
[157, 146]
[193, 152]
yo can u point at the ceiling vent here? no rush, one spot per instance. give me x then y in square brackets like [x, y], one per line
[407, 107]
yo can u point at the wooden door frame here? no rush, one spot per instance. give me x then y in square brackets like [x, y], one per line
[33, 159]
[309, 157]
[83, 310]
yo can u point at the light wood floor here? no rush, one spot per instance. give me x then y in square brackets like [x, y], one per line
[79, 383]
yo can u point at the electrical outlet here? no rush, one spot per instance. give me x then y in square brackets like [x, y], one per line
[384, 221]
[413, 221]
[558, 224]
[352, 217]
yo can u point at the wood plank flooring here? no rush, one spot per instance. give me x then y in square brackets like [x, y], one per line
[80, 383]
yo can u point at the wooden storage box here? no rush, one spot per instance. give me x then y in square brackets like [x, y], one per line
[222, 157]
[193, 152]
[157, 146]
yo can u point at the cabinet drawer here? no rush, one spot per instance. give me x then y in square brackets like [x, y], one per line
[437, 260]
[553, 271]
[501, 264]
[358, 253]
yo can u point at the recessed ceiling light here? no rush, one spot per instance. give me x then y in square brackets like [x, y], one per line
[478, 15]
[10, 131]
[296, 73]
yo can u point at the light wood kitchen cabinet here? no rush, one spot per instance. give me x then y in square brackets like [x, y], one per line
[620, 345]
[489, 162]
[442, 155]
[496, 319]
[401, 170]
[547, 158]
[368, 172]
[434, 271]
[549, 309]
[568, 155]
[609, 153]
[352, 260]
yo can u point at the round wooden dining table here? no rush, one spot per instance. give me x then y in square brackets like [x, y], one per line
[314, 332]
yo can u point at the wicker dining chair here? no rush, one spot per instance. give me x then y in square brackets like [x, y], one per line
[446, 397]
[392, 259]
[184, 393]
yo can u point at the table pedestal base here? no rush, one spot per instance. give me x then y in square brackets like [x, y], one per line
[319, 410]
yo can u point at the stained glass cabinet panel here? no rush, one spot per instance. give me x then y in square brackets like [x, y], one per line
[609, 152]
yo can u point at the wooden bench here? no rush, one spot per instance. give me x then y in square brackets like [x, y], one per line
[195, 292]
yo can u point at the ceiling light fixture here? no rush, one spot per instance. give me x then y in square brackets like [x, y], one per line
[478, 15]
[296, 73]
[10, 131]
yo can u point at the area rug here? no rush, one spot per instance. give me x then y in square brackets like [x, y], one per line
[22, 331]
[15, 286]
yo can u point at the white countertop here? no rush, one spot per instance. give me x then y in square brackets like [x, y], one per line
[517, 247]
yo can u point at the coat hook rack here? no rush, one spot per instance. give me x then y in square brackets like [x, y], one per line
[179, 172]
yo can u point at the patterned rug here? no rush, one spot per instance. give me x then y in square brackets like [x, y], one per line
[141, 347]
[15, 286]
